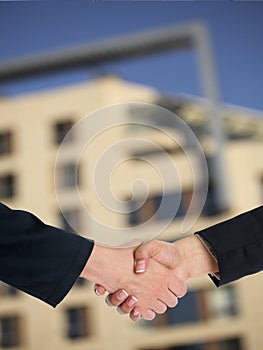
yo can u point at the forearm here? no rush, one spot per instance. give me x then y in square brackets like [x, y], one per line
[38, 259]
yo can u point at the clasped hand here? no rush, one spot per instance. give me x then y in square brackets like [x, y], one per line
[141, 289]
[157, 278]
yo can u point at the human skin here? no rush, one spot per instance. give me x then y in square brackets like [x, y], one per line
[152, 291]
[185, 258]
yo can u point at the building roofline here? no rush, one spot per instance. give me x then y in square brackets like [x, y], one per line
[253, 112]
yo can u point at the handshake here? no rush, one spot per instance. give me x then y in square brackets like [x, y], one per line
[145, 280]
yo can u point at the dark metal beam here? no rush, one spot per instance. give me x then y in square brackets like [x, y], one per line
[173, 38]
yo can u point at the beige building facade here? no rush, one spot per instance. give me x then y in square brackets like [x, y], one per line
[32, 128]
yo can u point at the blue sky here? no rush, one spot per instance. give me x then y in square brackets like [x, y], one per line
[236, 29]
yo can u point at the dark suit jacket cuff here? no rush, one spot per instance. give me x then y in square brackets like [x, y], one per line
[66, 283]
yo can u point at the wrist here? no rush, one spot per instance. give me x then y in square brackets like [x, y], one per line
[195, 258]
[106, 266]
[94, 265]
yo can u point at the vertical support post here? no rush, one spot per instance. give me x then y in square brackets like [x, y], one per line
[214, 118]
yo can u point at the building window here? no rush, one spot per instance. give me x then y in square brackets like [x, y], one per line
[7, 290]
[141, 212]
[70, 220]
[212, 206]
[221, 302]
[77, 322]
[10, 332]
[7, 186]
[68, 175]
[6, 144]
[61, 129]
[201, 305]
[189, 312]
[169, 207]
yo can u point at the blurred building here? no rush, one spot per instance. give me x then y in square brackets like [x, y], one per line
[32, 128]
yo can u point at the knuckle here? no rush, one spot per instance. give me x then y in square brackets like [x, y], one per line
[125, 309]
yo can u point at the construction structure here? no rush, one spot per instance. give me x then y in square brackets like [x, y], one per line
[32, 128]
[191, 36]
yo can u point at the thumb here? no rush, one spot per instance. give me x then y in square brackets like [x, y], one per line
[142, 256]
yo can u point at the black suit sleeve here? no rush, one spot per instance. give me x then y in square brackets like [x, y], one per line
[38, 259]
[238, 245]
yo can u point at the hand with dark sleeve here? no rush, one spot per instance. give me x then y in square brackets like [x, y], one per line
[38, 259]
[237, 244]
[227, 251]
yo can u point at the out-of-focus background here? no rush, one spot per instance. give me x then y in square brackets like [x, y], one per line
[60, 61]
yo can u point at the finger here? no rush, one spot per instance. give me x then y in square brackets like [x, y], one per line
[120, 311]
[169, 299]
[141, 265]
[135, 314]
[99, 290]
[177, 287]
[169, 295]
[128, 305]
[107, 301]
[173, 301]
[159, 307]
[148, 315]
[117, 298]
[143, 254]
